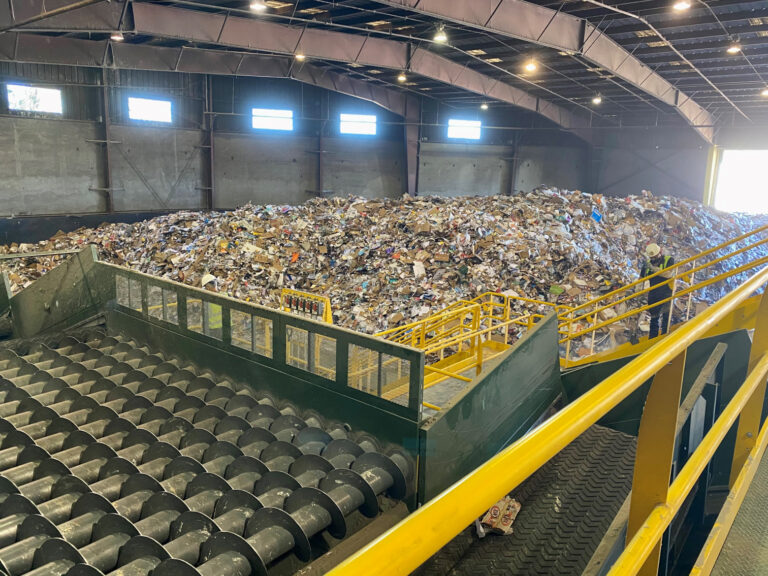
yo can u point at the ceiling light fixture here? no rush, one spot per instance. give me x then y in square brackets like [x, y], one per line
[484, 106]
[597, 100]
[764, 93]
[681, 6]
[402, 77]
[117, 36]
[440, 36]
[300, 57]
[531, 66]
[258, 6]
[734, 48]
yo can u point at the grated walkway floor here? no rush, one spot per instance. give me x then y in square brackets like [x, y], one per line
[745, 551]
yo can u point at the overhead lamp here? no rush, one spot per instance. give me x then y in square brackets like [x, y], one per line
[117, 36]
[734, 48]
[764, 93]
[402, 77]
[681, 6]
[484, 106]
[597, 100]
[531, 66]
[300, 57]
[440, 36]
[258, 6]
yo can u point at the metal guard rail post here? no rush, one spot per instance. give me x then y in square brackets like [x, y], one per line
[416, 538]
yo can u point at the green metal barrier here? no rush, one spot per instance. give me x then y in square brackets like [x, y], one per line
[493, 411]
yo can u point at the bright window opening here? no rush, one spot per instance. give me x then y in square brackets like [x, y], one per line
[464, 129]
[741, 183]
[358, 124]
[268, 119]
[150, 110]
[34, 99]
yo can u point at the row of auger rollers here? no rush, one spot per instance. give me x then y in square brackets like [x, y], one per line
[115, 460]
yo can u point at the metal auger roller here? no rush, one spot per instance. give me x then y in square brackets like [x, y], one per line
[291, 515]
[117, 460]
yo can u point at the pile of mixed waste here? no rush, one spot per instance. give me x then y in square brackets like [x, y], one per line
[388, 262]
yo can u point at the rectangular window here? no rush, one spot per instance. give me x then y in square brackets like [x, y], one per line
[464, 129]
[268, 119]
[358, 124]
[34, 99]
[150, 110]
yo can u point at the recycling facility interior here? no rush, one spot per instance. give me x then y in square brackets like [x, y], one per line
[396, 156]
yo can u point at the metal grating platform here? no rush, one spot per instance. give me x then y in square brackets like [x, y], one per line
[566, 508]
[118, 460]
[745, 551]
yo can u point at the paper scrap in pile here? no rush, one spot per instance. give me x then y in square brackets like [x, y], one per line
[388, 262]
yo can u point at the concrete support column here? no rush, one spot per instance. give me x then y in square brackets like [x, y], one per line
[108, 188]
[209, 121]
[412, 144]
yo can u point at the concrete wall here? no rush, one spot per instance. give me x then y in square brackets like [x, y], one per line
[264, 170]
[282, 169]
[666, 162]
[464, 170]
[157, 168]
[46, 166]
[560, 167]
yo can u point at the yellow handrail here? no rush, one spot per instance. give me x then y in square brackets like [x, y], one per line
[407, 545]
[689, 290]
[638, 293]
[674, 266]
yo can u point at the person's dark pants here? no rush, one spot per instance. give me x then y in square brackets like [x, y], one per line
[659, 315]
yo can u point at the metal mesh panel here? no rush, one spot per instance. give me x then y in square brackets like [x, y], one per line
[213, 320]
[155, 302]
[324, 363]
[262, 336]
[134, 286]
[195, 315]
[297, 347]
[242, 329]
[122, 291]
[363, 370]
[171, 307]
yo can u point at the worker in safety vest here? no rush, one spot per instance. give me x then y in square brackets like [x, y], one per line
[656, 261]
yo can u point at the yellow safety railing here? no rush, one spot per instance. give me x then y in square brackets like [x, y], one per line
[654, 501]
[584, 320]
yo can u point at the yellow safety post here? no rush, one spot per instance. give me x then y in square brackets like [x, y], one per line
[690, 296]
[568, 340]
[640, 547]
[749, 421]
[714, 544]
[655, 452]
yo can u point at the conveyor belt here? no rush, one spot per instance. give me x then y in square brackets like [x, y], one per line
[566, 508]
[116, 460]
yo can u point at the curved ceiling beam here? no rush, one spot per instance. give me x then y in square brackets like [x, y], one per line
[264, 35]
[267, 36]
[546, 27]
[33, 48]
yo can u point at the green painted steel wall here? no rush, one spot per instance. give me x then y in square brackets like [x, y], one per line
[70, 293]
[493, 411]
